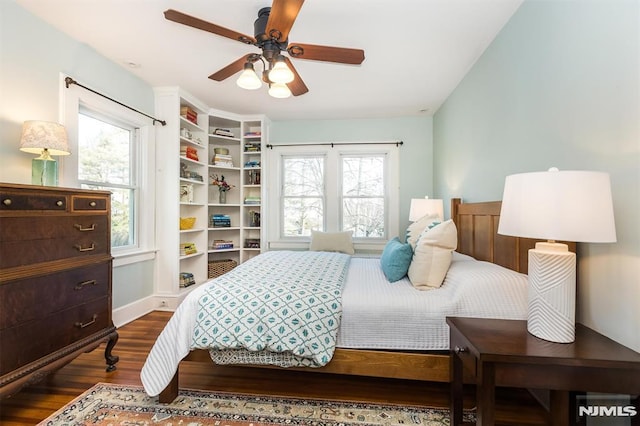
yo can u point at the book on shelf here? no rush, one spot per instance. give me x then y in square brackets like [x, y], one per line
[252, 147]
[223, 132]
[252, 200]
[189, 152]
[186, 279]
[221, 244]
[187, 249]
[222, 160]
[220, 221]
[189, 114]
[254, 134]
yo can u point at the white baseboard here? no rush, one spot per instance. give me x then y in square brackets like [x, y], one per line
[156, 302]
[139, 308]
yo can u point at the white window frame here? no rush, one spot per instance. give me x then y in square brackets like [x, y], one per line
[75, 99]
[333, 190]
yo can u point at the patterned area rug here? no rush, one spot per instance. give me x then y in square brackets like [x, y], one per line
[107, 404]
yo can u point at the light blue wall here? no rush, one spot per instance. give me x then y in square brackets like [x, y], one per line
[416, 172]
[32, 56]
[559, 86]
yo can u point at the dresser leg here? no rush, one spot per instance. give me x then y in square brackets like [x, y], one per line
[111, 359]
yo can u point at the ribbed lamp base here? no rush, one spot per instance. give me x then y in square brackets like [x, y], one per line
[552, 292]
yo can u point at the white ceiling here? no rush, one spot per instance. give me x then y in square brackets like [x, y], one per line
[416, 51]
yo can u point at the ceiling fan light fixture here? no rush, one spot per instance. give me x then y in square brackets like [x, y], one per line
[279, 90]
[248, 78]
[280, 73]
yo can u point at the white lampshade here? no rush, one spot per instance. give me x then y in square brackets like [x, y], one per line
[280, 73]
[40, 135]
[248, 78]
[420, 207]
[558, 205]
[279, 90]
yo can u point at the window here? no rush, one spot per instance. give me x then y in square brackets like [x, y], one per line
[302, 195]
[112, 149]
[338, 188]
[106, 161]
[363, 195]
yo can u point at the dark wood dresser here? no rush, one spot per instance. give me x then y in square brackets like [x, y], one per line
[55, 280]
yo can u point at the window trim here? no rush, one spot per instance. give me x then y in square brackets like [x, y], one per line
[73, 100]
[332, 180]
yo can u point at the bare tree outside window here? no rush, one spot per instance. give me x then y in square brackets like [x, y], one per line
[363, 195]
[302, 195]
[105, 162]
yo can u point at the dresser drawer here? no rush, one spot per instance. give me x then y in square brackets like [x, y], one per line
[31, 228]
[30, 299]
[74, 243]
[88, 203]
[31, 341]
[12, 201]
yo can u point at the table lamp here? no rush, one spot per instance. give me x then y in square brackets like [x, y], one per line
[420, 207]
[556, 205]
[45, 138]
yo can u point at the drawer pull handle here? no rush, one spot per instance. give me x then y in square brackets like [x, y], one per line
[459, 350]
[92, 204]
[87, 324]
[80, 248]
[6, 201]
[59, 203]
[80, 286]
[83, 229]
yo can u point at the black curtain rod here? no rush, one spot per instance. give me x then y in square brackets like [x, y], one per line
[332, 144]
[68, 81]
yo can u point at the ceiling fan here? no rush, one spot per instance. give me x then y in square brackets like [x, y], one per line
[272, 37]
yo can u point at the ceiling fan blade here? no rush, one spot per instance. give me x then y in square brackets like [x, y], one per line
[281, 18]
[230, 69]
[297, 86]
[192, 21]
[326, 53]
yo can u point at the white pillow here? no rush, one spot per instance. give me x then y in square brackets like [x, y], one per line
[332, 241]
[416, 228]
[432, 256]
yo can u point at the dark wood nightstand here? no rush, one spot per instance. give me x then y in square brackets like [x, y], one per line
[503, 353]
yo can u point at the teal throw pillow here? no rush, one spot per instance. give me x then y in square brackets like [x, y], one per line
[395, 260]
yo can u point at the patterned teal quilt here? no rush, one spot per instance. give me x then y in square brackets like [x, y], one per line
[281, 308]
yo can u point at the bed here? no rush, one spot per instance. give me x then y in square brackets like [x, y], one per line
[423, 355]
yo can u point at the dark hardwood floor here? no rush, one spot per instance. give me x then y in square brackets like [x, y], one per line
[34, 403]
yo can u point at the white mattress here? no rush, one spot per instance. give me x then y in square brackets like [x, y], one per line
[378, 314]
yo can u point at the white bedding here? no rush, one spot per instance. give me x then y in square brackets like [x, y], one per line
[376, 314]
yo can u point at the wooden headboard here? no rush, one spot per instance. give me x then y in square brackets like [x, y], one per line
[477, 225]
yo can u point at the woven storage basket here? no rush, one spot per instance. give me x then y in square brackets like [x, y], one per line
[219, 267]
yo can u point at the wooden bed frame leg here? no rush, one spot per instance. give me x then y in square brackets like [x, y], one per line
[169, 393]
